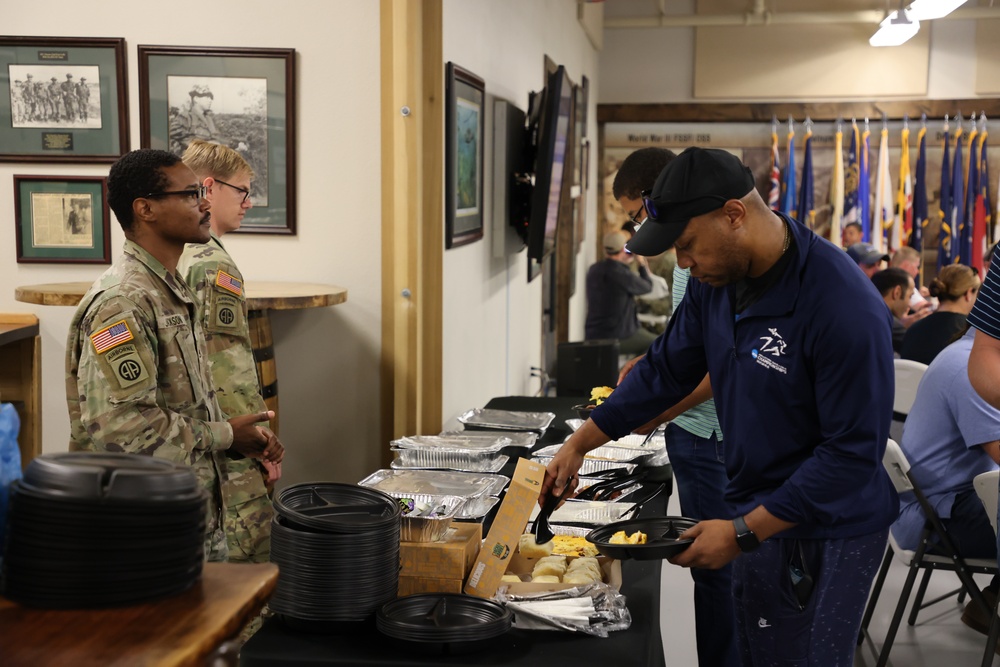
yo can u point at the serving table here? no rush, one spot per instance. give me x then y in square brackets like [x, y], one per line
[362, 644]
[262, 297]
[184, 629]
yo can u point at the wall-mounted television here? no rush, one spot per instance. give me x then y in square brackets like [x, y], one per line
[547, 138]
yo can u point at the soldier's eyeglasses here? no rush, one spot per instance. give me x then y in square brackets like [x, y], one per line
[196, 194]
[246, 193]
[634, 217]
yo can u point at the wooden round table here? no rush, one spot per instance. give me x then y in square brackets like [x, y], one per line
[262, 296]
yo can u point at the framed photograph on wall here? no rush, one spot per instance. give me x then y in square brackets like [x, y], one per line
[63, 99]
[464, 136]
[243, 98]
[62, 220]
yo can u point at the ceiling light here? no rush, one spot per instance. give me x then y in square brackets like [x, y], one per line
[927, 10]
[894, 30]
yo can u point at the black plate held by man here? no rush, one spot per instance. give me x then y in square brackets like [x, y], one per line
[661, 538]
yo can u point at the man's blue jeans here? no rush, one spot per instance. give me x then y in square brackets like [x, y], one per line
[700, 475]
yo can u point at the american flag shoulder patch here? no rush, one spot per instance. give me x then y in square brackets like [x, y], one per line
[109, 337]
[228, 282]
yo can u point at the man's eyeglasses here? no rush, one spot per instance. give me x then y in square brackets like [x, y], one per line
[653, 212]
[246, 193]
[196, 194]
[634, 217]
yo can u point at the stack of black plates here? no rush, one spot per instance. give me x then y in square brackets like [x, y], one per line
[89, 530]
[337, 550]
[446, 621]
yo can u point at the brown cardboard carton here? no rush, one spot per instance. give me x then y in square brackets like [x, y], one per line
[414, 585]
[611, 571]
[507, 528]
[449, 558]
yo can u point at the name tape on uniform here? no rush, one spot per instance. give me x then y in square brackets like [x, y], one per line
[228, 282]
[110, 336]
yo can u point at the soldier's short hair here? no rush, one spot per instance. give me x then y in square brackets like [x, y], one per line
[639, 170]
[134, 175]
[210, 159]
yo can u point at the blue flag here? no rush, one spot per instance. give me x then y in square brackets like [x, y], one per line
[944, 235]
[788, 188]
[807, 205]
[957, 198]
[864, 190]
[851, 179]
[920, 193]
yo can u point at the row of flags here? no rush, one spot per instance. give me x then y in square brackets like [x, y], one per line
[895, 218]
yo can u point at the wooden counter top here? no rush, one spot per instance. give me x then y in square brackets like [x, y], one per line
[179, 630]
[261, 295]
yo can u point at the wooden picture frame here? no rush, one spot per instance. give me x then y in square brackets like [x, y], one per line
[62, 220]
[243, 98]
[63, 99]
[464, 143]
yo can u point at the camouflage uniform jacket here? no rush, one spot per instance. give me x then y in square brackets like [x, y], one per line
[222, 310]
[137, 378]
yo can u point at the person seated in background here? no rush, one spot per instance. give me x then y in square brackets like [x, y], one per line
[909, 260]
[949, 437]
[851, 234]
[955, 288]
[896, 287]
[867, 257]
[611, 292]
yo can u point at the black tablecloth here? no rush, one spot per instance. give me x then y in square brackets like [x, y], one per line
[362, 644]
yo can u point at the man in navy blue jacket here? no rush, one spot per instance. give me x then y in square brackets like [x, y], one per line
[803, 383]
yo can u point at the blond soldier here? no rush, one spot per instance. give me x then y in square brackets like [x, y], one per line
[137, 377]
[222, 310]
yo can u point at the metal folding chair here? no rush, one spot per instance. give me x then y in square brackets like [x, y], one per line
[933, 534]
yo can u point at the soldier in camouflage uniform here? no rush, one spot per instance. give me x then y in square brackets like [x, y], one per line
[218, 285]
[137, 376]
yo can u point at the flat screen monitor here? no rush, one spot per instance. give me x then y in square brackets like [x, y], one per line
[550, 159]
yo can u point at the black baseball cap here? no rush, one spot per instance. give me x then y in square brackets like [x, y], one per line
[696, 182]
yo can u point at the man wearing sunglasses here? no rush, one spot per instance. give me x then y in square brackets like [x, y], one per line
[803, 385]
[138, 380]
[218, 284]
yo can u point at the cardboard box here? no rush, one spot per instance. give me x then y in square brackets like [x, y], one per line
[611, 570]
[507, 528]
[449, 558]
[414, 585]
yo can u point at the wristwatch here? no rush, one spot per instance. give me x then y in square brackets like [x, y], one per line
[745, 538]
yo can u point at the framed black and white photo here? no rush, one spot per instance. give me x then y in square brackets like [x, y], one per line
[464, 135]
[63, 99]
[243, 98]
[62, 220]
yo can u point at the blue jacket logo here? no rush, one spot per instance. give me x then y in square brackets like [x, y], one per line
[774, 344]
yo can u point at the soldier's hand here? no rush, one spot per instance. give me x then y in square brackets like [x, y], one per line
[273, 471]
[247, 438]
[275, 450]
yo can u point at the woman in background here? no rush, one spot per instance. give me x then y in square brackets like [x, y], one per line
[956, 288]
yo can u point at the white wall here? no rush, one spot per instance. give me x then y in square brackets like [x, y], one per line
[327, 358]
[492, 315]
[656, 66]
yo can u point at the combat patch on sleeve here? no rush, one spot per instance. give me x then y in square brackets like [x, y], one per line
[126, 365]
[228, 282]
[111, 336]
[225, 311]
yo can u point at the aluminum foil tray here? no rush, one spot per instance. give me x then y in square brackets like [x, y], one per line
[436, 482]
[516, 438]
[476, 445]
[592, 512]
[476, 508]
[604, 452]
[585, 482]
[423, 459]
[417, 528]
[506, 419]
[592, 466]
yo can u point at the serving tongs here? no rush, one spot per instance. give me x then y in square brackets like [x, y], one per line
[542, 530]
[603, 490]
